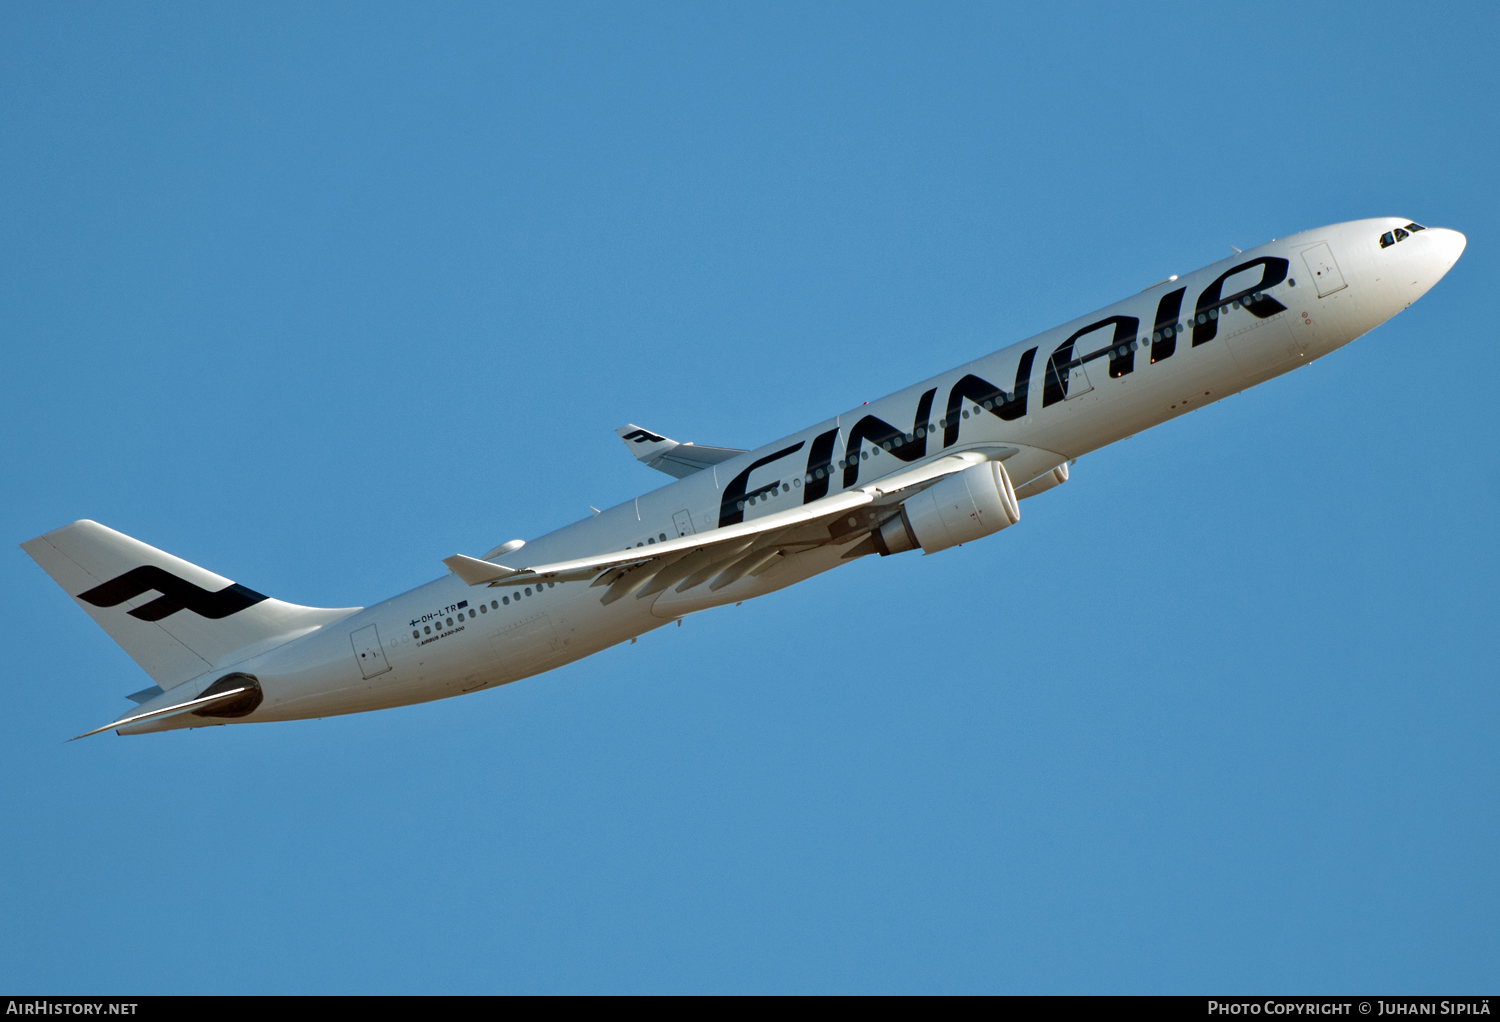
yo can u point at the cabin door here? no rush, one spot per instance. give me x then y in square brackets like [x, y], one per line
[1325, 272]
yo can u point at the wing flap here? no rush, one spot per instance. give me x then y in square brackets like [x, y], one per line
[827, 507]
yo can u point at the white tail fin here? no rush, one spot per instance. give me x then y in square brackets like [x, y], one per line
[175, 619]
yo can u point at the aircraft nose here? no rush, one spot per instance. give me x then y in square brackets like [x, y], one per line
[1446, 246]
[1443, 248]
[1430, 254]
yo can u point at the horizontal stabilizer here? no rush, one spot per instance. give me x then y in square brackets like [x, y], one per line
[669, 456]
[200, 703]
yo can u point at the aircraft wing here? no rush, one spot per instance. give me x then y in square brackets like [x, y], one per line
[727, 554]
[669, 456]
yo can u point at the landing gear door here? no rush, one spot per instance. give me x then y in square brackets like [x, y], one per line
[368, 652]
[1325, 272]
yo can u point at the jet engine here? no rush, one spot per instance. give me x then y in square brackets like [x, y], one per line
[1043, 483]
[957, 509]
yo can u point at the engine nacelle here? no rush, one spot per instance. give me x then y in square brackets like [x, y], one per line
[1043, 483]
[956, 509]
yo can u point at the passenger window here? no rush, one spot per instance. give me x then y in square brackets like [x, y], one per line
[1387, 240]
[1401, 235]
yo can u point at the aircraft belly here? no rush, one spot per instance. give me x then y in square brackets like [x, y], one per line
[1263, 348]
[527, 646]
[1153, 393]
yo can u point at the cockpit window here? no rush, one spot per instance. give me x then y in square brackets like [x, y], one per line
[1387, 240]
[1401, 235]
[1414, 228]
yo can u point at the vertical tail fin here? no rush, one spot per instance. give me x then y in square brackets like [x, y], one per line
[174, 618]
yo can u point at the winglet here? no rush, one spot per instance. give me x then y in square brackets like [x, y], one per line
[669, 456]
[476, 572]
[644, 444]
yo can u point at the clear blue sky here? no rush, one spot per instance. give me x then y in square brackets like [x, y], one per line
[316, 295]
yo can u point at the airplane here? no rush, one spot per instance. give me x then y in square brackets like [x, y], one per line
[939, 464]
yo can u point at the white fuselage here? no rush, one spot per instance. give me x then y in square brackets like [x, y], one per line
[1125, 375]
